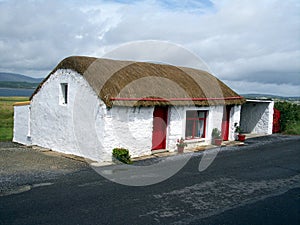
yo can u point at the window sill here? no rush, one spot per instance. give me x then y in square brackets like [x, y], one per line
[196, 140]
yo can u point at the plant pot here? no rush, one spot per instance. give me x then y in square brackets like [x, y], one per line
[180, 149]
[241, 137]
[236, 138]
[218, 142]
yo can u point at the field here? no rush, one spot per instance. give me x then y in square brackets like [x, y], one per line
[6, 116]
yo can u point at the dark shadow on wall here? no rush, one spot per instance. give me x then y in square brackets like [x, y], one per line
[251, 116]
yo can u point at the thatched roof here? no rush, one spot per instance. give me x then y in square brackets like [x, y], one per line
[128, 83]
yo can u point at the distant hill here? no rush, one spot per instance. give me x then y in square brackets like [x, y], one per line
[22, 85]
[274, 97]
[14, 77]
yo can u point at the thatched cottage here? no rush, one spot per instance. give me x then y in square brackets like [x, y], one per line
[88, 106]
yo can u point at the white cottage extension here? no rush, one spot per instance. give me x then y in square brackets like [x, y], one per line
[88, 106]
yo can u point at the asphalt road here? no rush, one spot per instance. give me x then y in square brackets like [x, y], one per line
[254, 184]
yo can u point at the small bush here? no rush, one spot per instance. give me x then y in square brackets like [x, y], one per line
[122, 155]
[289, 117]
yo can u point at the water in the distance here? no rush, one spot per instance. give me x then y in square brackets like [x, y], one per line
[16, 92]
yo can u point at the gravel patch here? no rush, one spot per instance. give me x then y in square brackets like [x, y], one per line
[22, 167]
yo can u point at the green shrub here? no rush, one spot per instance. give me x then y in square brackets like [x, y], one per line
[289, 117]
[293, 128]
[122, 155]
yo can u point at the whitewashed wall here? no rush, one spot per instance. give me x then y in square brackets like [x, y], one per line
[215, 119]
[176, 124]
[235, 116]
[257, 116]
[51, 121]
[66, 127]
[176, 128]
[129, 128]
[270, 119]
[22, 124]
[86, 127]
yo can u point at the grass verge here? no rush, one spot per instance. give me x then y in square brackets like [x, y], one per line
[7, 116]
[293, 128]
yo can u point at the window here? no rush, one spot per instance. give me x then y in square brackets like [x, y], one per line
[195, 124]
[64, 93]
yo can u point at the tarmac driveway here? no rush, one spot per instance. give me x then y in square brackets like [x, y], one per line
[253, 184]
[22, 168]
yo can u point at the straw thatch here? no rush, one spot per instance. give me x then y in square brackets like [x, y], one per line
[129, 83]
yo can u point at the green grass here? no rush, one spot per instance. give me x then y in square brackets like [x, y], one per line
[7, 116]
[293, 128]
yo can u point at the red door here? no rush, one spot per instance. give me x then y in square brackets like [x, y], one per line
[160, 118]
[225, 123]
[276, 121]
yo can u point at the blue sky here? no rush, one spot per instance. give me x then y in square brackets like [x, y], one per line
[253, 46]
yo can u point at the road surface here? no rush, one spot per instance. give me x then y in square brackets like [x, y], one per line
[255, 184]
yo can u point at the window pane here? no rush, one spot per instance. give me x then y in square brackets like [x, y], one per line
[191, 114]
[63, 94]
[201, 114]
[195, 124]
[200, 129]
[189, 129]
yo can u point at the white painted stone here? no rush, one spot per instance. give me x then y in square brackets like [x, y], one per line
[51, 121]
[22, 124]
[86, 127]
[129, 128]
[177, 124]
[257, 117]
[270, 117]
[235, 115]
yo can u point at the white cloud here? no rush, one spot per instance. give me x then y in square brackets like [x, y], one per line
[240, 40]
[268, 88]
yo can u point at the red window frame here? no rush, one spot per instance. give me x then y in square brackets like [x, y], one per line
[195, 117]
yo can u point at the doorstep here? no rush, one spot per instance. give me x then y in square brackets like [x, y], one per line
[166, 153]
[153, 152]
[232, 143]
[152, 156]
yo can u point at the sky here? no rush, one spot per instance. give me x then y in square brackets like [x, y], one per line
[253, 46]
